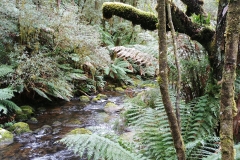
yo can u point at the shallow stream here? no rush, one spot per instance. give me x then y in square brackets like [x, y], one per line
[53, 123]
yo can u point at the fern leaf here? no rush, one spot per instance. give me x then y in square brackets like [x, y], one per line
[41, 93]
[93, 143]
[4, 70]
[6, 93]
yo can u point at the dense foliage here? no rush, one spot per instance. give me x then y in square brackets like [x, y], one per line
[50, 50]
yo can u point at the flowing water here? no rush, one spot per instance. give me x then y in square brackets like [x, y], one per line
[53, 124]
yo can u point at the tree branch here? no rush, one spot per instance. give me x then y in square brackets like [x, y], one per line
[147, 20]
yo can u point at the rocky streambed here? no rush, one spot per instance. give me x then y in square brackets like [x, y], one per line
[53, 122]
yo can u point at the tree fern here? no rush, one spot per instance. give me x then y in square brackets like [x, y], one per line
[97, 147]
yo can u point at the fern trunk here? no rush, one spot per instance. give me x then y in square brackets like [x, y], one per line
[228, 106]
[163, 82]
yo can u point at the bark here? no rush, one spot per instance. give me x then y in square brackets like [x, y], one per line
[163, 82]
[228, 105]
[178, 88]
[147, 20]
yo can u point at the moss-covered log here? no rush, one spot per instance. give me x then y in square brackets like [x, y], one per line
[147, 20]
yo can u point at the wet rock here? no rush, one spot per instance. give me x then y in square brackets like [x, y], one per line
[26, 138]
[25, 113]
[102, 96]
[57, 123]
[111, 107]
[44, 130]
[20, 128]
[41, 109]
[73, 122]
[33, 120]
[119, 90]
[110, 87]
[80, 131]
[99, 97]
[6, 137]
[84, 99]
[56, 130]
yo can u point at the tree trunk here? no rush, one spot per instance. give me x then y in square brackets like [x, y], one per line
[163, 82]
[178, 88]
[228, 104]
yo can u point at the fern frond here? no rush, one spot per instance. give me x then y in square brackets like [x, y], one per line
[6, 93]
[9, 106]
[41, 93]
[97, 147]
[135, 55]
[5, 69]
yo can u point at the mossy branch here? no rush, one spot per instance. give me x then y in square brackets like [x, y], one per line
[147, 20]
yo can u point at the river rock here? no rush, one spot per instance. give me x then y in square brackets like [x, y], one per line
[57, 123]
[32, 120]
[80, 131]
[44, 130]
[100, 97]
[111, 107]
[73, 122]
[25, 113]
[84, 99]
[6, 137]
[119, 89]
[20, 128]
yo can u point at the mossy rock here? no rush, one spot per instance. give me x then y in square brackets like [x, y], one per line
[102, 96]
[25, 113]
[95, 99]
[110, 87]
[80, 131]
[119, 90]
[27, 110]
[73, 122]
[84, 99]
[33, 120]
[111, 107]
[19, 128]
[6, 137]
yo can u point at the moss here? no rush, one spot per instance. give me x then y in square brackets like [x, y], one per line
[6, 137]
[84, 98]
[102, 96]
[119, 89]
[111, 107]
[33, 120]
[19, 128]
[80, 131]
[27, 110]
[147, 20]
[25, 113]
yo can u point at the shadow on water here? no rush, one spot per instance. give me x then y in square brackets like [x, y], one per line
[53, 124]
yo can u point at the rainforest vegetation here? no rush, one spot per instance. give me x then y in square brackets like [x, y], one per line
[186, 53]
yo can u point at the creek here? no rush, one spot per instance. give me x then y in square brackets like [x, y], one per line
[53, 123]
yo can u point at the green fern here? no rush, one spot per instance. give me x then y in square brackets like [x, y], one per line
[5, 104]
[97, 147]
[5, 69]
